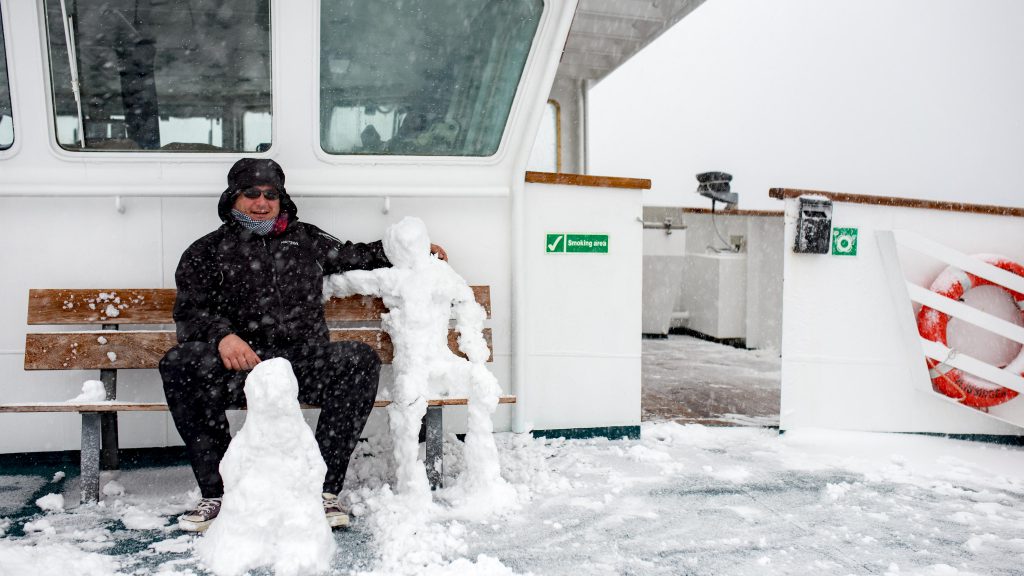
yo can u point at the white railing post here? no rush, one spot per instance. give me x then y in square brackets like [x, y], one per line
[905, 317]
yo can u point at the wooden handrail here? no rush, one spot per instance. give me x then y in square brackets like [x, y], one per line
[894, 201]
[588, 180]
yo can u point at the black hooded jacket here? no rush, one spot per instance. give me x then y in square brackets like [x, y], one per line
[265, 289]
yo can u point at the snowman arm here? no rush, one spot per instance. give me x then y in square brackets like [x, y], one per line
[465, 308]
[469, 322]
[366, 282]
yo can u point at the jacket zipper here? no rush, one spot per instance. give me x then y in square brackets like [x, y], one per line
[275, 284]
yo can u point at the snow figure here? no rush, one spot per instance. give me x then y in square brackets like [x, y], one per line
[422, 293]
[272, 513]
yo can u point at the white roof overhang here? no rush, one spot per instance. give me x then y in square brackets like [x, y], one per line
[607, 33]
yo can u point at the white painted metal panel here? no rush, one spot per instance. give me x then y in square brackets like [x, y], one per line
[583, 326]
[845, 362]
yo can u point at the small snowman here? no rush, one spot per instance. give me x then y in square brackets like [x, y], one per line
[422, 294]
[272, 513]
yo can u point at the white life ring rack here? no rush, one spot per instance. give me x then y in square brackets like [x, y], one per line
[932, 324]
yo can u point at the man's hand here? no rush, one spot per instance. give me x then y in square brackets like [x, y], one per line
[236, 354]
[439, 252]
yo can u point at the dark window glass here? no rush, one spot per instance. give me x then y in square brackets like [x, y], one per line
[6, 115]
[161, 75]
[421, 78]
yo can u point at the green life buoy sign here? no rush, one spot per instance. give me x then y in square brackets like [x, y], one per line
[576, 243]
[844, 241]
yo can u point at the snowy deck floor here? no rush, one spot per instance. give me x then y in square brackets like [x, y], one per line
[684, 499]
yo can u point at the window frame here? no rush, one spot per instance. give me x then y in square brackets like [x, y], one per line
[149, 156]
[515, 110]
[8, 56]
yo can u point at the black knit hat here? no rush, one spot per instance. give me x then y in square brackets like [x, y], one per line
[249, 172]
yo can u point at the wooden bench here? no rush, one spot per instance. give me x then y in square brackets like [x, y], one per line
[111, 349]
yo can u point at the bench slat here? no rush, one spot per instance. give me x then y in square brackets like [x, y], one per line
[144, 349]
[162, 407]
[154, 305]
[91, 306]
[72, 407]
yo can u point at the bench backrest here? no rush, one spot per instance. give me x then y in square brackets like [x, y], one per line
[111, 348]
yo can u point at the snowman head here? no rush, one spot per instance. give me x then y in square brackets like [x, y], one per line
[271, 388]
[407, 244]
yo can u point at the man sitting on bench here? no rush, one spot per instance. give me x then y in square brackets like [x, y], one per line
[250, 291]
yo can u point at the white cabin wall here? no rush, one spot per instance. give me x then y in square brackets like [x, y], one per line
[844, 364]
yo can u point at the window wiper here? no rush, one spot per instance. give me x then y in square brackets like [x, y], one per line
[69, 41]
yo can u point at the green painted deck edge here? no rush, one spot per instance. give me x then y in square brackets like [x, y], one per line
[609, 432]
[128, 458]
[989, 438]
[1001, 439]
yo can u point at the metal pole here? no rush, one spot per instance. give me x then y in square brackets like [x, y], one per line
[109, 455]
[434, 460]
[90, 460]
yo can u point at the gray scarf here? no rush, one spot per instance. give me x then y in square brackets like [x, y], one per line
[260, 227]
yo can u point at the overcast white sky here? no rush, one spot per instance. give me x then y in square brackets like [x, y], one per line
[916, 98]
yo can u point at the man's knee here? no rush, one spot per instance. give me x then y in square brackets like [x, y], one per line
[361, 364]
[186, 361]
[365, 356]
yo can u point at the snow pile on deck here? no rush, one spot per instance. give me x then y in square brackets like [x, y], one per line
[54, 559]
[273, 473]
[681, 500]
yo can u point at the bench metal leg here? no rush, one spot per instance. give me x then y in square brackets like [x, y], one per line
[90, 466]
[109, 453]
[109, 459]
[435, 447]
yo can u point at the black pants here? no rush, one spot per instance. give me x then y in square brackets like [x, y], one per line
[340, 377]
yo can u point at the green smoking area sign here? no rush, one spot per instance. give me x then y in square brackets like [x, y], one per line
[576, 243]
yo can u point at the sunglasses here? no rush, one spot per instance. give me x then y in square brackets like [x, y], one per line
[254, 193]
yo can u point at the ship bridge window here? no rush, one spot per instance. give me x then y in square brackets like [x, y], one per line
[6, 114]
[160, 75]
[424, 78]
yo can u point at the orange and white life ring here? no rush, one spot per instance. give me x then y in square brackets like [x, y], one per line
[931, 323]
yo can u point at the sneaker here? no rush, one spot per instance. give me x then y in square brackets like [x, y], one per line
[337, 515]
[199, 520]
